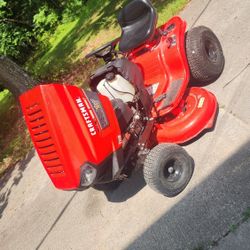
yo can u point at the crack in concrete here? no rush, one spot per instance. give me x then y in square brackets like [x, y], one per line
[202, 12]
[229, 231]
[229, 112]
[236, 76]
[56, 221]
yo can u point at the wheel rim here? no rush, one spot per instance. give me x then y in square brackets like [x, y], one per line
[172, 171]
[211, 51]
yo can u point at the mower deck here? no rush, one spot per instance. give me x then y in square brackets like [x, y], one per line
[196, 112]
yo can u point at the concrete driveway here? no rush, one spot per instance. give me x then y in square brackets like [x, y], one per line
[34, 215]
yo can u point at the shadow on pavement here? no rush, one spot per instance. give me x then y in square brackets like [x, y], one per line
[205, 131]
[206, 213]
[20, 167]
[127, 189]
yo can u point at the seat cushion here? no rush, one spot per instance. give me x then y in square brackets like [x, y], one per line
[138, 21]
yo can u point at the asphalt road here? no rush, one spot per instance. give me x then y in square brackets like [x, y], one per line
[34, 215]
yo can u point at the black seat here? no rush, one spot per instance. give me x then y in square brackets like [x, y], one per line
[138, 21]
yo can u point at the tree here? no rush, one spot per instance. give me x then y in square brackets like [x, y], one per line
[22, 22]
[27, 25]
[14, 78]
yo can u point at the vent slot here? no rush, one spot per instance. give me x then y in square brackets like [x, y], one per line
[37, 123]
[41, 132]
[43, 141]
[45, 144]
[50, 156]
[55, 170]
[38, 128]
[48, 149]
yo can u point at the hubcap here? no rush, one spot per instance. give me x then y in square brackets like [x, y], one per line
[172, 171]
[211, 51]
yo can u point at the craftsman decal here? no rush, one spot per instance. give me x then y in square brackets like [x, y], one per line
[86, 115]
[97, 108]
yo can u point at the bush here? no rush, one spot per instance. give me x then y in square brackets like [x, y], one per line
[25, 25]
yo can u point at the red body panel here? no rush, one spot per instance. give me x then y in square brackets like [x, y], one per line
[164, 63]
[63, 138]
[195, 113]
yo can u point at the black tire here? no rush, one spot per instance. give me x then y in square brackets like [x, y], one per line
[160, 161]
[205, 56]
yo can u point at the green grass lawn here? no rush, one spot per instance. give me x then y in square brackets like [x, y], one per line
[6, 109]
[72, 40]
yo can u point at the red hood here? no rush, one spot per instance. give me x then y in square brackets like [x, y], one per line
[69, 127]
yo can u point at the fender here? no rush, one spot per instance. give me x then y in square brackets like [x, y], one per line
[195, 113]
[164, 66]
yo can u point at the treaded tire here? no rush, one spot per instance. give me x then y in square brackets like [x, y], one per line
[158, 163]
[205, 56]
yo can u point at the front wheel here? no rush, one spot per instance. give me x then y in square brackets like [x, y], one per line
[205, 56]
[168, 169]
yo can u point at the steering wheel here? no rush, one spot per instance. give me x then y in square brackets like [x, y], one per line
[104, 50]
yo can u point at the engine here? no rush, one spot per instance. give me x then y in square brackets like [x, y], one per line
[128, 103]
[114, 86]
[122, 95]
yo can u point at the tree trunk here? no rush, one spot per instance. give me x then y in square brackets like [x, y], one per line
[14, 78]
[18, 22]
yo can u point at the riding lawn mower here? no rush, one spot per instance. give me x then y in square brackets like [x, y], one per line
[144, 103]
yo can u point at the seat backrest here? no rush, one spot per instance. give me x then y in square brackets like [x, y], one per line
[138, 21]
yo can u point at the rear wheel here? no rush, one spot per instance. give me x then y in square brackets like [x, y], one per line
[205, 56]
[168, 169]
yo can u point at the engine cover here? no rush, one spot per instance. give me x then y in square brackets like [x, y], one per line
[69, 128]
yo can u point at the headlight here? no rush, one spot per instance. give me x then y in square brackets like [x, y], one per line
[88, 175]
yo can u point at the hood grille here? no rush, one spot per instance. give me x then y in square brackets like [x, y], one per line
[43, 140]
